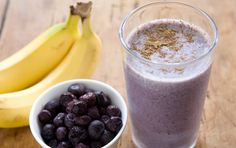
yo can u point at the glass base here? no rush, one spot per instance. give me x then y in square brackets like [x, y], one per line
[139, 145]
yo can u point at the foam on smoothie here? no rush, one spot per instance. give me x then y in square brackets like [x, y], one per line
[182, 43]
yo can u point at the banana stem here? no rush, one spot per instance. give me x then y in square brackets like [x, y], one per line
[86, 27]
[84, 10]
[73, 21]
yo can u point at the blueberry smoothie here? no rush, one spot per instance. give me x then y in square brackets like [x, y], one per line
[166, 85]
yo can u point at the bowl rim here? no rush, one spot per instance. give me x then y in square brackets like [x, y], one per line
[58, 85]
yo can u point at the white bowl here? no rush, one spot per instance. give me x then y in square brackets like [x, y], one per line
[57, 90]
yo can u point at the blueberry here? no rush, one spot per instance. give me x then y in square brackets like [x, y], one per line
[64, 144]
[77, 89]
[102, 99]
[69, 106]
[102, 110]
[106, 137]
[96, 129]
[48, 131]
[95, 144]
[80, 107]
[77, 135]
[113, 110]
[45, 116]
[114, 124]
[81, 145]
[83, 120]
[77, 107]
[90, 98]
[59, 119]
[52, 143]
[66, 98]
[53, 106]
[61, 133]
[105, 118]
[94, 112]
[89, 90]
[69, 120]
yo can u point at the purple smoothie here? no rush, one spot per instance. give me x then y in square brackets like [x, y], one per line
[166, 102]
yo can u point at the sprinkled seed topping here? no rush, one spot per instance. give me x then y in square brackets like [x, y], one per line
[161, 36]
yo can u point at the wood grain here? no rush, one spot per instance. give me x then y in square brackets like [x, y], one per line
[24, 20]
[3, 11]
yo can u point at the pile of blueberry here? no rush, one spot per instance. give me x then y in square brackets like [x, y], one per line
[80, 118]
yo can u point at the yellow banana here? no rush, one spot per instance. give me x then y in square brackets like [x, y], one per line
[79, 63]
[14, 117]
[30, 64]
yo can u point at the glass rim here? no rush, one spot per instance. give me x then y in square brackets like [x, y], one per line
[131, 13]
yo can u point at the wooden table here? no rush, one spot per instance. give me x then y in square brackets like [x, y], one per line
[22, 20]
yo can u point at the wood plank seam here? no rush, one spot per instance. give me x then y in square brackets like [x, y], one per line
[4, 17]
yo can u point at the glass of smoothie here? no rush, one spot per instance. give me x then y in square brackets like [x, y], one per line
[168, 53]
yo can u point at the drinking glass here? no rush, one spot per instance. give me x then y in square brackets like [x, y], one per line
[166, 108]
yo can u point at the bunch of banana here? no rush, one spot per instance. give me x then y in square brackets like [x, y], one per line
[30, 64]
[80, 62]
